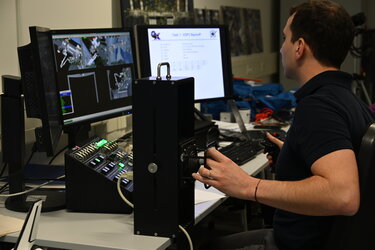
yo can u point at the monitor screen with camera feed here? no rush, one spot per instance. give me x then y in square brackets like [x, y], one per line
[95, 70]
[195, 51]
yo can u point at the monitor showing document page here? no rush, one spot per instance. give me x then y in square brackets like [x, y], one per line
[201, 52]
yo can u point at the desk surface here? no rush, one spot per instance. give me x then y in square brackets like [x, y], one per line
[252, 167]
[67, 230]
[62, 229]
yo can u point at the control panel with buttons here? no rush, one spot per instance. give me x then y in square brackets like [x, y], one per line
[92, 171]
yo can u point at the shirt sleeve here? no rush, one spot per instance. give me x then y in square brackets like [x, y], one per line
[321, 129]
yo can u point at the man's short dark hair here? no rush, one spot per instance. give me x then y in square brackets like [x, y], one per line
[326, 27]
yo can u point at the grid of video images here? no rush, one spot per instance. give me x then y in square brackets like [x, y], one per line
[85, 52]
[89, 63]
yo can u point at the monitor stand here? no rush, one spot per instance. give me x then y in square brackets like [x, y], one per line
[206, 133]
[13, 146]
[77, 134]
[53, 200]
[238, 118]
[200, 120]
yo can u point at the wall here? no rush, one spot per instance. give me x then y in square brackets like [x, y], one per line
[369, 10]
[17, 15]
[261, 65]
[8, 38]
[353, 7]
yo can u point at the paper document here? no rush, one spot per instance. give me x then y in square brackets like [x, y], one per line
[203, 196]
[232, 126]
[9, 225]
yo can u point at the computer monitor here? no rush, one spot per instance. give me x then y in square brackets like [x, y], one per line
[199, 51]
[39, 87]
[95, 70]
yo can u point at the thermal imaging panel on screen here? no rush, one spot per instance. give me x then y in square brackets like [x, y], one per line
[191, 52]
[95, 71]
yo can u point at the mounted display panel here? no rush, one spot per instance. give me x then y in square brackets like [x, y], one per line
[95, 70]
[199, 51]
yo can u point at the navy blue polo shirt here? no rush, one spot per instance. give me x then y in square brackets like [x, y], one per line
[328, 117]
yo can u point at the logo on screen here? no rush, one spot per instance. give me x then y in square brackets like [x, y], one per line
[155, 35]
[213, 33]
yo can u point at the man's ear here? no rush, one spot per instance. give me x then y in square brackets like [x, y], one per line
[300, 48]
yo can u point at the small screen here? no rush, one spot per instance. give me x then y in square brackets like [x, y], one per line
[95, 71]
[199, 52]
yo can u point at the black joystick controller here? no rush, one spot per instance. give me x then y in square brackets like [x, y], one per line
[271, 148]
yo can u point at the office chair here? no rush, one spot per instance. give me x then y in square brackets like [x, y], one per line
[29, 230]
[358, 231]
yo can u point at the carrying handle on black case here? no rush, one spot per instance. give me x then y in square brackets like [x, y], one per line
[168, 71]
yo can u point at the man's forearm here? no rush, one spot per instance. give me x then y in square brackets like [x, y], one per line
[311, 196]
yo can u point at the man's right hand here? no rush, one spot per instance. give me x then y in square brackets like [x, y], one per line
[279, 143]
[275, 140]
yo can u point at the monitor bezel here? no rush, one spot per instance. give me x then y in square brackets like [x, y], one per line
[144, 54]
[107, 116]
[51, 133]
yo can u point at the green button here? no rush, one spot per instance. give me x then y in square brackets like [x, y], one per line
[101, 143]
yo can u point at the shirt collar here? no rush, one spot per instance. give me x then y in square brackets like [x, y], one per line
[327, 77]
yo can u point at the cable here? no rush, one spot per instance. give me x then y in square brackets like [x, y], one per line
[3, 169]
[129, 176]
[187, 236]
[41, 179]
[28, 161]
[13, 174]
[32, 189]
[33, 150]
[54, 157]
[119, 189]
[126, 136]
[2, 189]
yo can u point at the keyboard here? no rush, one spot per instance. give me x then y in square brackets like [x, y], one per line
[258, 135]
[243, 151]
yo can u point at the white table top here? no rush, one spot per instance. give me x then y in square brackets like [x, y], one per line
[68, 230]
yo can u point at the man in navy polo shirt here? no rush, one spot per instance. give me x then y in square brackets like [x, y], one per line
[316, 172]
